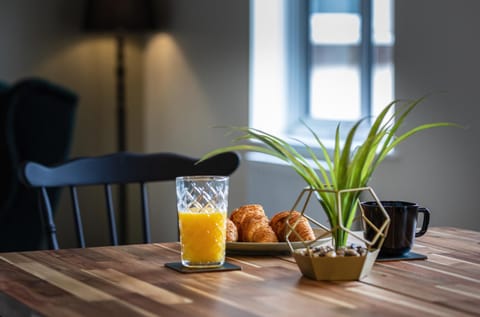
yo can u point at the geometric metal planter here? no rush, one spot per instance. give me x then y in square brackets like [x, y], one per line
[340, 268]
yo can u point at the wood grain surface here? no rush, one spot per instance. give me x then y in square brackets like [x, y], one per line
[132, 281]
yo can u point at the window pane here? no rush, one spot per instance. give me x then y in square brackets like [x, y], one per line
[335, 90]
[383, 40]
[335, 48]
[309, 64]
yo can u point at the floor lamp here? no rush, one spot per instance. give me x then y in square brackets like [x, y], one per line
[120, 18]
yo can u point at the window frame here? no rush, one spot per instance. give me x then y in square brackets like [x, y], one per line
[279, 75]
[298, 67]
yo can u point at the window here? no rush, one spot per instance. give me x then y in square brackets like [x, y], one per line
[321, 62]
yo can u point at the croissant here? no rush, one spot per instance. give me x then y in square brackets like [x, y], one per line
[232, 232]
[257, 229]
[252, 224]
[245, 212]
[297, 221]
[278, 224]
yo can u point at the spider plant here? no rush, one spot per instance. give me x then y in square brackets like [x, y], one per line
[349, 166]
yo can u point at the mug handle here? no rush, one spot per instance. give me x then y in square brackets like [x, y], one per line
[426, 221]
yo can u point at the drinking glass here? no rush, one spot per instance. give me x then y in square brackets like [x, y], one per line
[202, 203]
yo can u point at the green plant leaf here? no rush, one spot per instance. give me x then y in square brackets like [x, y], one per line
[346, 168]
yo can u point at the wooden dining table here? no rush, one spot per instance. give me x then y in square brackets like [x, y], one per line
[132, 280]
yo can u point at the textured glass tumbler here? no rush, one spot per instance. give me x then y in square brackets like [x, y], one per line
[202, 203]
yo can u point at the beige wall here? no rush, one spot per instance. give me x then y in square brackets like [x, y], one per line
[196, 77]
[195, 74]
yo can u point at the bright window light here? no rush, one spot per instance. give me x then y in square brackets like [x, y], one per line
[335, 28]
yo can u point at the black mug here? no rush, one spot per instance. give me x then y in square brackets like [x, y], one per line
[403, 225]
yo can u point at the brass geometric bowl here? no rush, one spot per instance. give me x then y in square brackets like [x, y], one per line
[338, 268]
[344, 268]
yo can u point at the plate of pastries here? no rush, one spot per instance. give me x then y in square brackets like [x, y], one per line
[249, 230]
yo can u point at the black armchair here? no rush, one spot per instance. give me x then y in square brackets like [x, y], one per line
[36, 124]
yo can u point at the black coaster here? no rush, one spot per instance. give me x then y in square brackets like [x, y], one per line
[406, 257]
[177, 266]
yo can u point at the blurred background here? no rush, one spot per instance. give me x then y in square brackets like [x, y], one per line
[192, 73]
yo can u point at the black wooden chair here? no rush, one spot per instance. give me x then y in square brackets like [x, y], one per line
[116, 169]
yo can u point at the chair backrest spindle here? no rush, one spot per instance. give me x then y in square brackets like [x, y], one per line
[111, 215]
[146, 213]
[50, 223]
[77, 216]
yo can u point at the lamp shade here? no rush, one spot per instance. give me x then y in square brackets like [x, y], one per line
[119, 15]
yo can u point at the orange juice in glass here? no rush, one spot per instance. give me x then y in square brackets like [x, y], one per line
[202, 210]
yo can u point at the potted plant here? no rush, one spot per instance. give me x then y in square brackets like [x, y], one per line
[350, 166]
